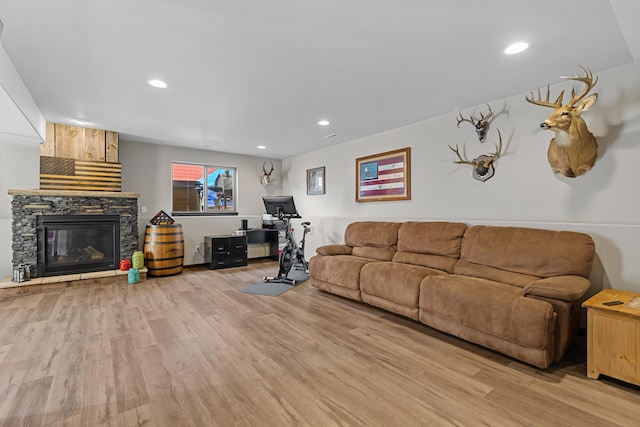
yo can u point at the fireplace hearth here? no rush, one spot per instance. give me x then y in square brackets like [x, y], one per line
[77, 243]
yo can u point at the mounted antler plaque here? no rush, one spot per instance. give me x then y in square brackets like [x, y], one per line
[265, 179]
[483, 168]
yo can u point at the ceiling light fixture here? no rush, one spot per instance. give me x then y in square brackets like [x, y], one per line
[158, 83]
[324, 123]
[516, 48]
[262, 147]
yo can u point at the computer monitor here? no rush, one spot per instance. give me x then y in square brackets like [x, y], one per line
[276, 205]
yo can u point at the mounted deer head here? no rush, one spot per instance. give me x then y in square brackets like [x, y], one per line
[265, 179]
[482, 165]
[574, 149]
[481, 125]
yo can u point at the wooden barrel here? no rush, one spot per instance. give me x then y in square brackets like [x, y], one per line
[164, 249]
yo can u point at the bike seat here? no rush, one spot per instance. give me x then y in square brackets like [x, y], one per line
[305, 223]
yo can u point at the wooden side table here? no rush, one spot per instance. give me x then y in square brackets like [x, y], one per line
[613, 336]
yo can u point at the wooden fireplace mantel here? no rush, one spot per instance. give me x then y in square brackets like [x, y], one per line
[69, 193]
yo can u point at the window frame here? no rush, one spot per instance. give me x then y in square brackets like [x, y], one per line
[204, 209]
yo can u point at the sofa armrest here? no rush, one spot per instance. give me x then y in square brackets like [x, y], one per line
[564, 288]
[334, 250]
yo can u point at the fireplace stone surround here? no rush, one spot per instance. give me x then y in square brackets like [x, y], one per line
[27, 205]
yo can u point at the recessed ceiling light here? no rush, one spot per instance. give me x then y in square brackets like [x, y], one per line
[324, 123]
[262, 147]
[80, 121]
[158, 83]
[516, 48]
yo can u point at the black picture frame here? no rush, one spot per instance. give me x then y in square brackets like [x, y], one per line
[315, 181]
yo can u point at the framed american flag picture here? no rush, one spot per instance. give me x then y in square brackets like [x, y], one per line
[384, 177]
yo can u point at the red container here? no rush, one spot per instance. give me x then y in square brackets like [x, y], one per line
[125, 264]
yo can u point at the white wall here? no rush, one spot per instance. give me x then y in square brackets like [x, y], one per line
[146, 169]
[19, 168]
[20, 118]
[523, 192]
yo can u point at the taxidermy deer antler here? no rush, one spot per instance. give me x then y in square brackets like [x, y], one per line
[483, 168]
[265, 179]
[481, 125]
[574, 149]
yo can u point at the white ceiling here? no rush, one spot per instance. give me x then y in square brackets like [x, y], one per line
[243, 73]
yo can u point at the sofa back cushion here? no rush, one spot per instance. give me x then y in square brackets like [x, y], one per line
[430, 244]
[520, 255]
[372, 239]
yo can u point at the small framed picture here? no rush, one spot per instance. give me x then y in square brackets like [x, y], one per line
[315, 181]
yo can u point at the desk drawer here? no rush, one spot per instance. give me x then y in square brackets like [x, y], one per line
[219, 261]
[238, 244]
[237, 259]
[219, 245]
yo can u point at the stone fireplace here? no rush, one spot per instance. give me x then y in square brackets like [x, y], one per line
[78, 225]
[102, 216]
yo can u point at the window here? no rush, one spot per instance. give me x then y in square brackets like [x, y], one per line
[202, 189]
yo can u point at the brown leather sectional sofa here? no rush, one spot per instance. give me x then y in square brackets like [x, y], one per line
[515, 290]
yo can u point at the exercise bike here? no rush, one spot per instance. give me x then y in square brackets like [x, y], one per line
[292, 254]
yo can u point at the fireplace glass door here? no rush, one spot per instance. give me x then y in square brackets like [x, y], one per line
[77, 244]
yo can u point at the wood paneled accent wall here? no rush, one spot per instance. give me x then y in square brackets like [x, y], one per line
[72, 142]
[76, 158]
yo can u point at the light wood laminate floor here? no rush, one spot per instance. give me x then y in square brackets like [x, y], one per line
[192, 350]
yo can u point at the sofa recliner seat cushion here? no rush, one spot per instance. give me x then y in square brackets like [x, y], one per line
[372, 239]
[365, 242]
[552, 266]
[517, 255]
[342, 270]
[490, 307]
[393, 286]
[430, 244]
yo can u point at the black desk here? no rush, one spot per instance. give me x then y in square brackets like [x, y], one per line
[265, 235]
